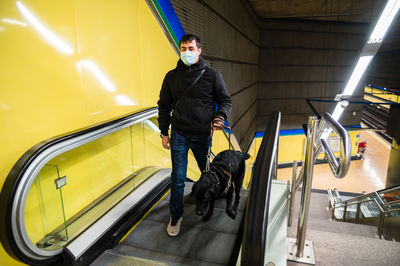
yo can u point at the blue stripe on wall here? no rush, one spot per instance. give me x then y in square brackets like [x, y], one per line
[172, 18]
[291, 132]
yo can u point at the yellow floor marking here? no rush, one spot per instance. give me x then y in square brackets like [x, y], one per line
[144, 216]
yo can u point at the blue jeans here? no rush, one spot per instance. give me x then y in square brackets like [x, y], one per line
[179, 155]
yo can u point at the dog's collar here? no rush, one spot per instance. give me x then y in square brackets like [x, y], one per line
[228, 185]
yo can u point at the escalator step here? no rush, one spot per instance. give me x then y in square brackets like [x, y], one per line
[199, 243]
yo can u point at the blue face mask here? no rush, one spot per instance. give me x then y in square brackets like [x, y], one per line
[189, 58]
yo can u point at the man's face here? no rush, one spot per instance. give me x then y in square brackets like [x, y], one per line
[191, 47]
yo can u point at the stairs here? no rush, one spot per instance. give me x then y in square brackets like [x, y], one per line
[370, 210]
[338, 243]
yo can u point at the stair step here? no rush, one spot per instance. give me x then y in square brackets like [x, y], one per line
[332, 248]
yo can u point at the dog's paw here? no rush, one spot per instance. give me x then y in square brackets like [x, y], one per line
[206, 218]
[231, 213]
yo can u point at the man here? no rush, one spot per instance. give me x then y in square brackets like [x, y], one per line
[362, 147]
[190, 116]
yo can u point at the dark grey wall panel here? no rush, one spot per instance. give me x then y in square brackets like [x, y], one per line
[312, 39]
[287, 121]
[244, 22]
[309, 56]
[277, 90]
[242, 102]
[247, 126]
[286, 106]
[237, 76]
[314, 26]
[302, 60]
[304, 73]
[219, 38]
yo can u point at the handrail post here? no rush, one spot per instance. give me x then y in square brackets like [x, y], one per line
[380, 226]
[293, 193]
[307, 181]
[358, 212]
[333, 213]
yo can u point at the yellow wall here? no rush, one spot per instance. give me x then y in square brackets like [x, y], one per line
[382, 94]
[291, 147]
[66, 65]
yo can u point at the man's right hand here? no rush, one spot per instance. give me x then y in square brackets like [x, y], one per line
[166, 142]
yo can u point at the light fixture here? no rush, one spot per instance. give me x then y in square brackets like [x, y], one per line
[358, 72]
[384, 21]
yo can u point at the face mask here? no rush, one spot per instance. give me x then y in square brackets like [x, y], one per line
[189, 58]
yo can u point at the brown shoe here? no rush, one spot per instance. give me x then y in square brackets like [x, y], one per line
[173, 229]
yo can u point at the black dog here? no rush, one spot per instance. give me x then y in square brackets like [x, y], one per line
[216, 183]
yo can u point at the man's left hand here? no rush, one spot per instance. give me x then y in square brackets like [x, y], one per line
[218, 123]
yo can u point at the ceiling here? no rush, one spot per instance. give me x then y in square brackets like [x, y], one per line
[384, 71]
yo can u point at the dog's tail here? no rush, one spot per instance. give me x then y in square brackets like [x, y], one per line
[246, 156]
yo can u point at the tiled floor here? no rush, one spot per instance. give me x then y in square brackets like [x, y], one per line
[364, 175]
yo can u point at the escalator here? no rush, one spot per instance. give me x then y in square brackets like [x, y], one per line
[101, 230]
[376, 115]
[216, 242]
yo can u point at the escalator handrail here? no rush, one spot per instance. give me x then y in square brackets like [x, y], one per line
[13, 234]
[256, 218]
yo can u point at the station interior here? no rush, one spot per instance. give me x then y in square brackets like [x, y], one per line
[315, 90]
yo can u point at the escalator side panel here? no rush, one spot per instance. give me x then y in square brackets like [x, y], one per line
[116, 231]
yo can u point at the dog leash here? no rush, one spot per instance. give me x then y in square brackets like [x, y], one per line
[229, 174]
[208, 163]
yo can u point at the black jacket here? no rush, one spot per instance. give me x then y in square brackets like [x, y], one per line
[194, 114]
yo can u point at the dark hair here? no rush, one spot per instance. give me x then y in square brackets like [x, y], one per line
[189, 38]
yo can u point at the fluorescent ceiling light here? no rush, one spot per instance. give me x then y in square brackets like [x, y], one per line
[358, 72]
[14, 22]
[97, 73]
[55, 41]
[338, 111]
[384, 21]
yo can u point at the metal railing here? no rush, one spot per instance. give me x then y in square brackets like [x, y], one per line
[316, 142]
[383, 205]
[256, 217]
